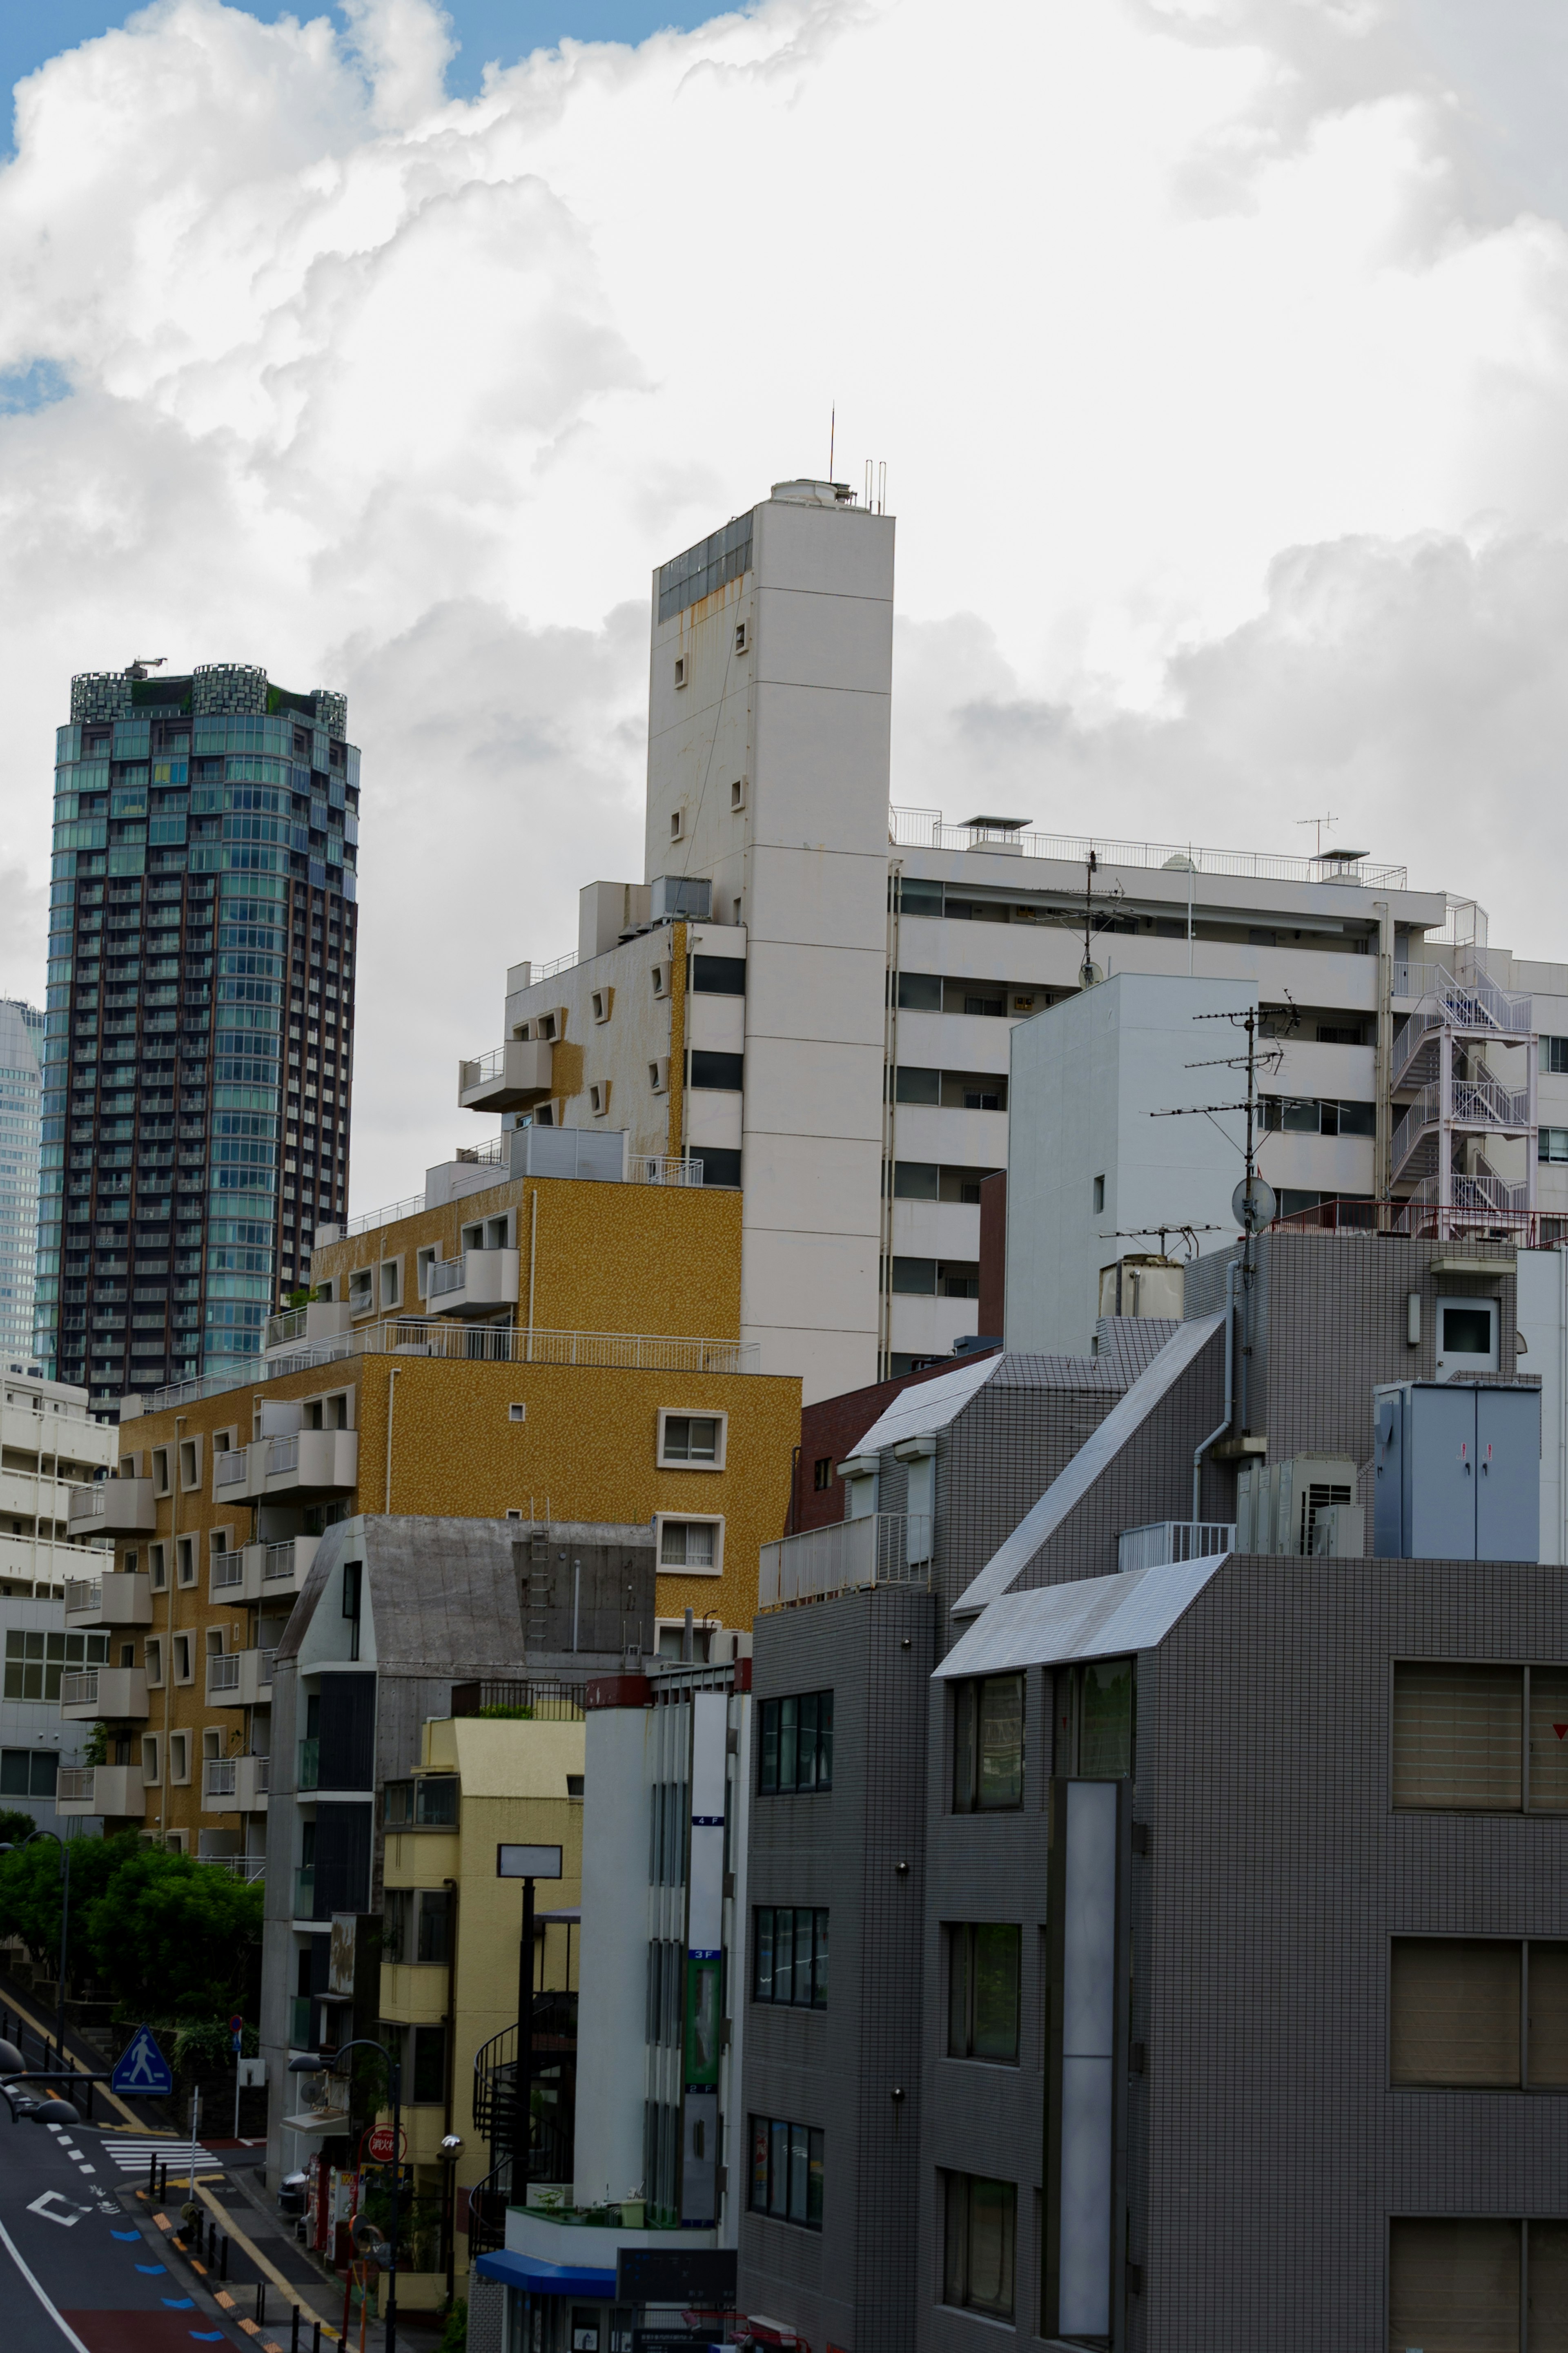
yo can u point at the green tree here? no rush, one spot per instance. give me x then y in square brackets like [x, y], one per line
[30, 1893]
[171, 1935]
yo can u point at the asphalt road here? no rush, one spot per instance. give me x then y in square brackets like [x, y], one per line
[78, 2271]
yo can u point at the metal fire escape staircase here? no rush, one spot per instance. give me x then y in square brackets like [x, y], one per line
[1437, 1153]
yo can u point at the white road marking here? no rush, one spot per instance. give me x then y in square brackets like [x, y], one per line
[67, 2331]
[44, 2205]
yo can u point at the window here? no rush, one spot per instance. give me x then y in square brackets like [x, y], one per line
[183, 1652]
[154, 1661]
[34, 1661]
[915, 1277]
[796, 1748]
[988, 1744]
[695, 1441]
[190, 1464]
[599, 1097]
[179, 1756]
[786, 2171]
[822, 1472]
[695, 1545]
[360, 1296]
[1098, 1195]
[1471, 2012]
[1553, 1144]
[1459, 2284]
[738, 793]
[149, 1758]
[391, 1281]
[658, 1075]
[660, 977]
[1094, 1720]
[1554, 1053]
[740, 637]
[431, 1802]
[676, 824]
[158, 1568]
[424, 1259]
[1480, 1739]
[789, 1956]
[186, 1559]
[680, 670]
[517, 1413]
[30, 1773]
[723, 1071]
[983, 1992]
[978, 2245]
[716, 976]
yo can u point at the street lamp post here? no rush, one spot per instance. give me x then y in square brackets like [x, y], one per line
[327, 2062]
[65, 1919]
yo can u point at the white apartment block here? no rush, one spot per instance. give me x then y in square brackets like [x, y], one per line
[48, 1444]
[811, 990]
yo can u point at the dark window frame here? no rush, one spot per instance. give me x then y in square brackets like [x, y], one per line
[782, 1751]
[968, 1783]
[788, 2171]
[767, 1923]
[964, 1967]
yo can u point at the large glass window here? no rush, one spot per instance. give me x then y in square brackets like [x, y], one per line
[979, 2244]
[788, 2171]
[988, 1744]
[983, 1992]
[796, 1745]
[1482, 1739]
[789, 1949]
[1472, 2012]
[1459, 2286]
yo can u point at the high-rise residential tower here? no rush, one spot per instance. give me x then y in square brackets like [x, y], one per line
[200, 1025]
[21, 1039]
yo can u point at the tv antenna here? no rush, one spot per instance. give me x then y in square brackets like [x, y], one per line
[1253, 1202]
[832, 437]
[1317, 823]
[1188, 1234]
[1089, 972]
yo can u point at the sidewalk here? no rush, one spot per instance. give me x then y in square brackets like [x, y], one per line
[255, 2212]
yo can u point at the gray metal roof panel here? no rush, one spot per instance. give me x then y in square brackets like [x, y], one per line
[1088, 1618]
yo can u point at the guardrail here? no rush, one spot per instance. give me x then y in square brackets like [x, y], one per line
[75, 1782]
[653, 1168]
[228, 1468]
[369, 1220]
[228, 1568]
[512, 1344]
[495, 1152]
[878, 1548]
[1162, 1542]
[80, 1690]
[83, 1592]
[916, 828]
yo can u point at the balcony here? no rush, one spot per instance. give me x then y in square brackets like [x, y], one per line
[475, 1284]
[847, 1557]
[113, 1792]
[511, 1077]
[309, 1462]
[114, 1601]
[261, 1572]
[228, 1474]
[239, 1678]
[1160, 1542]
[304, 1327]
[112, 1507]
[117, 1693]
[236, 1785]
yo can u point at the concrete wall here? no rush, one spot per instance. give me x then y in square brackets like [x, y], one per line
[613, 1981]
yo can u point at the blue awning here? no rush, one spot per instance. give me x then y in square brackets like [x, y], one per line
[546, 2279]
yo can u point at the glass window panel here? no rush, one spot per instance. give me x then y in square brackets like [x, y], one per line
[825, 1740]
[13, 1675]
[770, 1776]
[784, 1956]
[788, 1738]
[54, 1646]
[760, 2137]
[802, 1972]
[1105, 1725]
[1547, 2288]
[778, 2169]
[997, 1950]
[35, 1645]
[14, 1640]
[961, 1957]
[1457, 1735]
[955, 2243]
[762, 1967]
[1001, 1741]
[965, 1713]
[806, 1742]
[1453, 2287]
[1454, 2010]
[819, 1964]
[1549, 1739]
[799, 2172]
[992, 2214]
[1547, 2047]
[14, 1773]
[45, 1766]
[813, 2180]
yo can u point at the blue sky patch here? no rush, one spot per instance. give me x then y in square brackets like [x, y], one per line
[37, 383]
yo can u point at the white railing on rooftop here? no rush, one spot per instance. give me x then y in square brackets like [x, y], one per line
[915, 828]
[547, 971]
[656, 1169]
[1467, 1001]
[495, 1152]
[369, 1220]
[845, 1557]
[1160, 1542]
[514, 1345]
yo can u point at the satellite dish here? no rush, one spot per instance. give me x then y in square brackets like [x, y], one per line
[1254, 1206]
[1090, 975]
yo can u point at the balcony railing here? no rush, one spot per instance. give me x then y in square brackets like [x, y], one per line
[84, 1593]
[310, 1769]
[878, 1548]
[1164, 1541]
[220, 1777]
[228, 1568]
[495, 1152]
[924, 828]
[223, 1671]
[277, 1566]
[230, 1467]
[80, 1690]
[444, 1274]
[656, 1169]
[510, 1344]
[249, 1867]
[75, 1783]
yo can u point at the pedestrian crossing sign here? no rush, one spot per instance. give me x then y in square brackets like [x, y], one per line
[143, 2067]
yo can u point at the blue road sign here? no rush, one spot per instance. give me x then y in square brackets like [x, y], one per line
[143, 2067]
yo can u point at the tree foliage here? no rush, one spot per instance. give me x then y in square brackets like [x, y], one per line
[163, 1935]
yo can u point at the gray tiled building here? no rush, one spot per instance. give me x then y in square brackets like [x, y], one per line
[1200, 1974]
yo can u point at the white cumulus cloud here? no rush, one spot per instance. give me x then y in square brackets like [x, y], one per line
[1218, 373]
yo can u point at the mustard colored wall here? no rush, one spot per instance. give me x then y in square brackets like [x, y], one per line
[654, 1258]
[587, 1447]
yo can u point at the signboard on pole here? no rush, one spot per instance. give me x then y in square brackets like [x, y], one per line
[528, 1862]
[142, 2068]
[380, 2145]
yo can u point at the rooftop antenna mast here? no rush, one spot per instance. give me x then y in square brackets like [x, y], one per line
[141, 663]
[1317, 823]
[832, 437]
[1088, 971]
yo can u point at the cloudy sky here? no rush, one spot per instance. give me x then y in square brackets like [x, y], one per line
[1216, 350]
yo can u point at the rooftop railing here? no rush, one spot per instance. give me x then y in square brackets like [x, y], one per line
[495, 1152]
[515, 1345]
[368, 1220]
[916, 828]
[655, 1168]
[1162, 1542]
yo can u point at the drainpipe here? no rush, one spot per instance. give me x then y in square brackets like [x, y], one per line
[451, 2214]
[1223, 1424]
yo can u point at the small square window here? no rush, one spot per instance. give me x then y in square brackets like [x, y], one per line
[738, 794]
[694, 1546]
[676, 824]
[741, 639]
[599, 1097]
[822, 1472]
[661, 980]
[691, 1441]
[517, 1413]
[601, 1000]
[680, 670]
[658, 1075]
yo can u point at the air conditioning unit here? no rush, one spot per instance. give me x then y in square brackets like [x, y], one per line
[1276, 1504]
[1339, 1531]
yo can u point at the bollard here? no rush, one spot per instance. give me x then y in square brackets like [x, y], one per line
[260, 2301]
[316, 2338]
[223, 2257]
[152, 2174]
[164, 2180]
[294, 2333]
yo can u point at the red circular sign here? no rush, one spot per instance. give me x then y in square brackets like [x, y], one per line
[380, 2145]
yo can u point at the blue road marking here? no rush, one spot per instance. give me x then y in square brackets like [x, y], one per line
[181, 2304]
[207, 2335]
[153, 2270]
[125, 2235]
